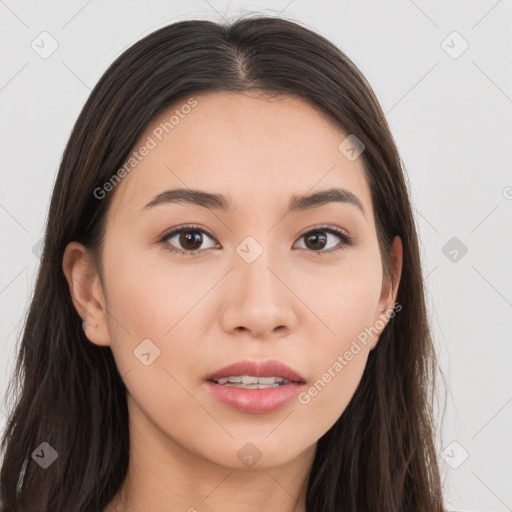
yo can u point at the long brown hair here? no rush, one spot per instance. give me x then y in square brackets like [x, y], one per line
[380, 455]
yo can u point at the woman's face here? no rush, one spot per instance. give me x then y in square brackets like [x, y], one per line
[249, 286]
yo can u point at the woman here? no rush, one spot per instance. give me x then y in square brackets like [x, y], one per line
[229, 312]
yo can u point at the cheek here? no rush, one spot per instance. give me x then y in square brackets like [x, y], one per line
[342, 298]
[345, 302]
[143, 291]
[153, 339]
[339, 359]
[327, 396]
[151, 299]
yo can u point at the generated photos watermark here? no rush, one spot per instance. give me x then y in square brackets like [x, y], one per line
[343, 360]
[151, 142]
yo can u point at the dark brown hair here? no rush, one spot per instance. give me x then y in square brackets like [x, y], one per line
[380, 455]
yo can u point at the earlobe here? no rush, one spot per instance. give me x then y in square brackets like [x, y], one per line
[86, 292]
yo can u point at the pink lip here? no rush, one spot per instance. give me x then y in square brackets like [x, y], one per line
[269, 368]
[256, 401]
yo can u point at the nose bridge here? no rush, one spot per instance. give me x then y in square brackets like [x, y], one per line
[257, 272]
[259, 301]
[253, 264]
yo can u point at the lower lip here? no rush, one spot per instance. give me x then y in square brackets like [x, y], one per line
[255, 401]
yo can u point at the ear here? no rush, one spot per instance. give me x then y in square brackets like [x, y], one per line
[389, 290]
[86, 292]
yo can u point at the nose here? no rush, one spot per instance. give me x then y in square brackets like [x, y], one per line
[259, 299]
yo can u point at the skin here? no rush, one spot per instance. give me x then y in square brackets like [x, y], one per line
[213, 308]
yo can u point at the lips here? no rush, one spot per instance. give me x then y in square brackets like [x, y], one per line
[268, 368]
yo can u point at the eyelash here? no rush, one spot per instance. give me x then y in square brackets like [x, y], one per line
[346, 240]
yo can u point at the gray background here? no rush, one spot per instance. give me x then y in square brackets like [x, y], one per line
[451, 118]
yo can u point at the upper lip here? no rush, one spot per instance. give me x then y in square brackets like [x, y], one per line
[268, 368]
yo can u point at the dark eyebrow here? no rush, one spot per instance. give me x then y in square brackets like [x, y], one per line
[193, 197]
[336, 195]
[219, 202]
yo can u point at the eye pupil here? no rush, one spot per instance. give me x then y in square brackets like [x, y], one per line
[319, 241]
[191, 237]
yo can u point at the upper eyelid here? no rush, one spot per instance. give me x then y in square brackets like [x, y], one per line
[325, 227]
[330, 228]
[185, 228]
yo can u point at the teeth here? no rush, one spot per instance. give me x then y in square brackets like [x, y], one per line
[267, 380]
[251, 386]
[251, 382]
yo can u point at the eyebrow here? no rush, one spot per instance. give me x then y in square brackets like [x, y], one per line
[219, 202]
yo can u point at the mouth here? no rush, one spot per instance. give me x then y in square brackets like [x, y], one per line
[252, 382]
[248, 374]
[255, 387]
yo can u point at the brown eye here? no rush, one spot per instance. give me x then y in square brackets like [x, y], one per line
[186, 240]
[190, 240]
[317, 240]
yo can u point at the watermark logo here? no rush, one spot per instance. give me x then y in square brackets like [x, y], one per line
[351, 147]
[37, 249]
[44, 45]
[343, 360]
[44, 455]
[146, 352]
[455, 455]
[454, 45]
[249, 249]
[454, 249]
[249, 454]
[151, 142]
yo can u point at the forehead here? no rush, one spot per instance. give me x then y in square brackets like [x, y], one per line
[242, 146]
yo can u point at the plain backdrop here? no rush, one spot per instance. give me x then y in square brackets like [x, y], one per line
[442, 72]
